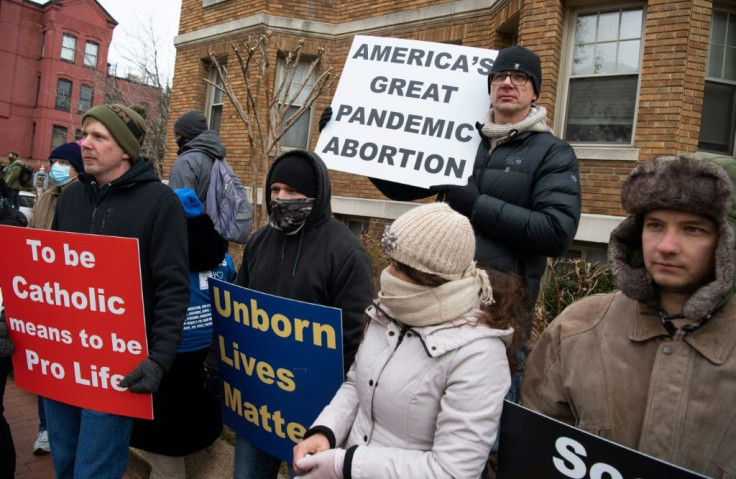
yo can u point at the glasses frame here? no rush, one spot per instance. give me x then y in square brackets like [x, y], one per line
[500, 77]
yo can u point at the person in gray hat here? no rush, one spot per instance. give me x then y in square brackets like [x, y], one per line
[199, 148]
[653, 365]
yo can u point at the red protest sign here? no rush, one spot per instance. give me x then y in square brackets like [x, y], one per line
[74, 308]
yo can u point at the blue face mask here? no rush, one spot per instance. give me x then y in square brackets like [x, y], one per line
[60, 174]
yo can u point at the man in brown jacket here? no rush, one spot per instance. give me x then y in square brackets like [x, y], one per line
[653, 366]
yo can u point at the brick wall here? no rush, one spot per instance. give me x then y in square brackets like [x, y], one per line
[671, 90]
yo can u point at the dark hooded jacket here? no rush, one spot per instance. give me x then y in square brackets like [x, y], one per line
[323, 263]
[194, 164]
[138, 205]
[529, 205]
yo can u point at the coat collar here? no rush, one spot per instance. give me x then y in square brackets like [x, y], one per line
[714, 340]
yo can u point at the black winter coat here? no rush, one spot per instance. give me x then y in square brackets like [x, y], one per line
[138, 205]
[529, 206]
[324, 263]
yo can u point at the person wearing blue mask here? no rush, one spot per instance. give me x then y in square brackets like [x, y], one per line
[66, 163]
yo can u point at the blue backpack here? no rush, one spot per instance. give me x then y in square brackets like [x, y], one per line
[227, 203]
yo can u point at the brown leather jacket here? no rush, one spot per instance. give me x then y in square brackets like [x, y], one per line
[607, 366]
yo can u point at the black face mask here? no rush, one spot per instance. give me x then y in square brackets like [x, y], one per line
[288, 216]
[180, 143]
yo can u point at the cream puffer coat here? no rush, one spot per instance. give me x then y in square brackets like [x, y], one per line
[421, 402]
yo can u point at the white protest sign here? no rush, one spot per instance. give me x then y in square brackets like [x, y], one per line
[405, 111]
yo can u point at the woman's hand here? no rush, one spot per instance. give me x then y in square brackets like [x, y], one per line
[311, 445]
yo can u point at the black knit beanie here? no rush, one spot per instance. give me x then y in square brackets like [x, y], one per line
[190, 124]
[521, 60]
[297, 172]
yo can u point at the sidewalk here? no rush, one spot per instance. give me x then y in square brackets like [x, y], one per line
[21, 411]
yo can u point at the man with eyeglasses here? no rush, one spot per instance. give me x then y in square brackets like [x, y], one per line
[523, 198]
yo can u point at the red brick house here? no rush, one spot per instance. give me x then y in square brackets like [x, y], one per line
[623, 81]
[54, 59]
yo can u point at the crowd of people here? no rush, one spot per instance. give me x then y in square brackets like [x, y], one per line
[430, 357]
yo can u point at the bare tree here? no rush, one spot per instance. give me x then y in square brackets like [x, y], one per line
[144, 53]
[267, 123]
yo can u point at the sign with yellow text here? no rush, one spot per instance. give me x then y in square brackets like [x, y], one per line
[74, 307]
[280, 362]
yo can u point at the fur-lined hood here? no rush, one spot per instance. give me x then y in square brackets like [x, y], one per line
[697, 183]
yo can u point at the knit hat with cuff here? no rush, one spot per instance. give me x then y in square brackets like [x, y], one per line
[70, 152]
[126, 124]
[190, 124]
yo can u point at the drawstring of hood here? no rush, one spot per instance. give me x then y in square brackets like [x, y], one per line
[678, 334]
[298, 250]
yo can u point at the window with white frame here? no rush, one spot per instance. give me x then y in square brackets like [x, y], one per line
[718, 121]
[68, 47]
[86, 97]
[91, 51]
[58, 136]
[604, 76]
[298, 135]
[63, 94]
[214, 101]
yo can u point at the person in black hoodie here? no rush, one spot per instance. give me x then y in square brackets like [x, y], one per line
[119, 194]
[306, 255]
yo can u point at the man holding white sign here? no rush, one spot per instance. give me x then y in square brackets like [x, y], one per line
[653, 366]
[522, 195]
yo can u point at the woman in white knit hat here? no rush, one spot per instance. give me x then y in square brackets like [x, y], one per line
[424, 396]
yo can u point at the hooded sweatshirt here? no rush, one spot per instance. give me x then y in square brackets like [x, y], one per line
[138, 205]
[323, 263]
[194, 164]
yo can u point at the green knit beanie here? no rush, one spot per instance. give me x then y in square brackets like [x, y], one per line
[125, 124]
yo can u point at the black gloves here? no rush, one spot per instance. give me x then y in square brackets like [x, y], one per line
[460, 198]
[145, 378]
[325, 117]
[6, 344]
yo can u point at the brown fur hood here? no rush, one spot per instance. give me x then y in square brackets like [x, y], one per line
[700, 184]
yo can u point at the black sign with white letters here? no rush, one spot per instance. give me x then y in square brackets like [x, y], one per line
[536, 446]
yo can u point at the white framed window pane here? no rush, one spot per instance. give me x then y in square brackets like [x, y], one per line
[585, 29]
[68, 47]
[731, 33]
[58, 136]
[715, 61]
[215, 117]
[608, 27]
[717, 123]
[86, 96]
[214, 101]
[631, 21]
[90, 54]
[729, 67]
[63, 95]
[601, 109]
[628, 56]
[298, 134]
[605, 58]
[582, 62]
[718, 28]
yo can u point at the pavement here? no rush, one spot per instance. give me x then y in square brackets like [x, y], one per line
[21, 411]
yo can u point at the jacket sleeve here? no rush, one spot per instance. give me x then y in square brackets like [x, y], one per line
[542, 388]
[339, 415]
[548, 227]
[352, 291]
[12, 174]
[467, 424]
[399, 191]
[168, 262]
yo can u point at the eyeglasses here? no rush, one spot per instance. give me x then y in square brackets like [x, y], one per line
[517, 78]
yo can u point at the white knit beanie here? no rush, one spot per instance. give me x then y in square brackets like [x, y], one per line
[432, 238]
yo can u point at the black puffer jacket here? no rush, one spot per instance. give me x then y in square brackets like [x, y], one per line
[324, 263]
[529, 206]
[138, 205]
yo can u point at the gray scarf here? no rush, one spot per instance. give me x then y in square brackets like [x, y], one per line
[535, 121]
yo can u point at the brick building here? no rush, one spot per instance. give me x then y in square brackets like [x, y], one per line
[54, 59]
[623, 81]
